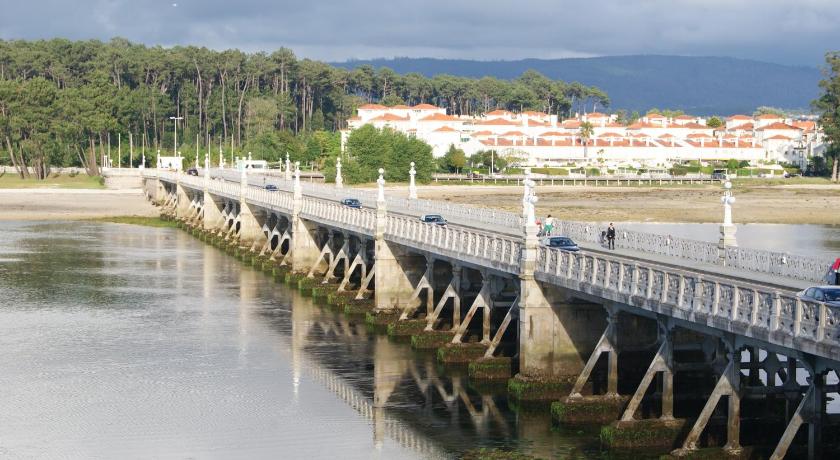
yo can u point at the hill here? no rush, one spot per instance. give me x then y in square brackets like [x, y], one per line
[697, 85]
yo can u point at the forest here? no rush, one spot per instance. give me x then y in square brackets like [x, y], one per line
[74, 103]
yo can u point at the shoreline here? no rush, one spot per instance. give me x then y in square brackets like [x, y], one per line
[44, 204]
[802, 204]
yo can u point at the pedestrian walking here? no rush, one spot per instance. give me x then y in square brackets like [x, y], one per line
[611, 236]
[549, 225]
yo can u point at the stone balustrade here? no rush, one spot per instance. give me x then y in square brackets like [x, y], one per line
[734, 306]
[752, 260]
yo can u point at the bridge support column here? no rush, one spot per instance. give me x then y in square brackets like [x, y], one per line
[182, 206]
[393, 272]
[556, 332]
[729, 385]
[303, 249]
[250, 231]
[212, 215]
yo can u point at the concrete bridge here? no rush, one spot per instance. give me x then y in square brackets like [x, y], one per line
[612, 338]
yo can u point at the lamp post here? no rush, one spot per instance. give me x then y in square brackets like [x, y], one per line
[339, 181]
[175, 142]
[412, 187]
[727, 228]
[288, 168]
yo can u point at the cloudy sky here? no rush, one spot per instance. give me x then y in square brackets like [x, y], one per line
[783, 31]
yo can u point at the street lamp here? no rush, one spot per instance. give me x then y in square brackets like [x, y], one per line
[175, 143]
[727, 228]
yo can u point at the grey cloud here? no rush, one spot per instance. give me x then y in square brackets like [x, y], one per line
[775, 30]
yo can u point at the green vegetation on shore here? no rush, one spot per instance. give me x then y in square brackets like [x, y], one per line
[81, 181]
[138, 220]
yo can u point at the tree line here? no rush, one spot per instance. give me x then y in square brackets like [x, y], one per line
[63, 102]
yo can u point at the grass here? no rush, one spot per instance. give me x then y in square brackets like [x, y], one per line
[138, 220]
[81, 181]
[783, 181]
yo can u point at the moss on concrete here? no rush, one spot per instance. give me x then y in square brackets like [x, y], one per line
[292, 278]
[644, 434]
[540, 388]
[340, 299]
[460, 353]
[716, 453]
[588, 410]
[431, 340]
[357, 307]
[495, 454]
[406, 327]
[321, 291]
[306, 284]
[381, 318]
[490, 368]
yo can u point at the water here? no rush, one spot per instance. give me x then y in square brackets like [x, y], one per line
[803, 239]
[130, 342]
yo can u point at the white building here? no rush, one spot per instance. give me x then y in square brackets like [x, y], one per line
[543, 140]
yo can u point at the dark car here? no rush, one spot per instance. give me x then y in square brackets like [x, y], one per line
[828, 294]
[560, 242]
[474, 175]
[351, 203]
[271, 187]
[192, 172]
[436, 219]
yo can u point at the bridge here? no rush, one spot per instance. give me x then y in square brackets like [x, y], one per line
[700, 323]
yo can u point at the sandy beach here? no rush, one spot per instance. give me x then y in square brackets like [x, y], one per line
[794, 204]
[71, 204]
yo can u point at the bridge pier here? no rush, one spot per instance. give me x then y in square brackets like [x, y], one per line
[394, 269]
[304, 250]
[182, 202]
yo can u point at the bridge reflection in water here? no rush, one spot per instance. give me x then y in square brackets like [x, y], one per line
[406, 395]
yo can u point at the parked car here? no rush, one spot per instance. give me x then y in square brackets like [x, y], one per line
[351, 203]
[560, 242]
[828, 294]
[271, 187]
[474, 175]
[435, 219]
[192, 172]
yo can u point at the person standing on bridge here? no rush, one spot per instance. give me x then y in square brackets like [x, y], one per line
[549, 225]
[611, 237]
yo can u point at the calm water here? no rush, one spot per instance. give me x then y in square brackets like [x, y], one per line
[810, 240]
[129, 342]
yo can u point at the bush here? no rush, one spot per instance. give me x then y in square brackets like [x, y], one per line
[369, 149]
[551, 171]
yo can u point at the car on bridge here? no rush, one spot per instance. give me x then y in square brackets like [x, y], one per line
[192, 172]
[271, 187]
[352, 203]
[435, 219]
[563, 243]
[828, 294]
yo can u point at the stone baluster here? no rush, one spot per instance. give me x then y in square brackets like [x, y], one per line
[412, 187]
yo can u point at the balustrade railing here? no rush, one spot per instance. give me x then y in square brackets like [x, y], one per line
[502, 252]
[784, 265]
[726, 303]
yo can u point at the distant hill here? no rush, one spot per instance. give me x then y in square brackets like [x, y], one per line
[697, 85]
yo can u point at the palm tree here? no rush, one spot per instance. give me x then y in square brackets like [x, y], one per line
[586, 132]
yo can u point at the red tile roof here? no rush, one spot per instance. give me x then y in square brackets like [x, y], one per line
[425, 107]
[739, 117]
[439, 117]
[497, 122]
[778, 125]
[779, 137]
[513, 133]
[389, 117]
[769, 116]
[497, 113]
[445, 129]
[372, 107]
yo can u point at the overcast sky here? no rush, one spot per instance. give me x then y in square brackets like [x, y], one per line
[783, 31]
